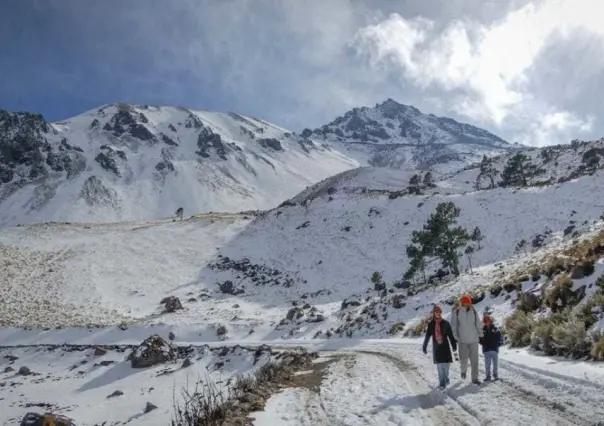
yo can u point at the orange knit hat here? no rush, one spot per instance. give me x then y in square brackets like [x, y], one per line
[487, 319]
[437, 310]
[466, 299]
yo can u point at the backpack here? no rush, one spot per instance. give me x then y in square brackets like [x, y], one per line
[457, 314]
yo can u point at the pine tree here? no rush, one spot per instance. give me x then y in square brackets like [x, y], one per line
[469, 251]
[487, 170]
[414, 184]
[428, 180]
[518, 170]
[439, 238]
[378, 283]
[477, 237]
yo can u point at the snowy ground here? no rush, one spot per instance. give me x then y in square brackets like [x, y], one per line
[369, 382]
[85, 386]
[393, 383]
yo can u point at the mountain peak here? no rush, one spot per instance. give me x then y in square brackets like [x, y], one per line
[391, 122]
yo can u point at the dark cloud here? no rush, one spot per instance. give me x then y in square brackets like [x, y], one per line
[301, 62]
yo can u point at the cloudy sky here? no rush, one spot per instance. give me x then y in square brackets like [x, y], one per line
[531, 71]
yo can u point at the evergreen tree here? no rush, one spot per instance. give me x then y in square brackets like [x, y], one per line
[469, 251]
[477, 237]
[414, 184]
[518, 170]
[428, 180]
[439, 238]
[488, 171]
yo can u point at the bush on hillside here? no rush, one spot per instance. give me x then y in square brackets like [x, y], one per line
[597, 350]
[518, 328]
[571, 338]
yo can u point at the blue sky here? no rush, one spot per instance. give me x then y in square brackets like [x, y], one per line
[529, 70]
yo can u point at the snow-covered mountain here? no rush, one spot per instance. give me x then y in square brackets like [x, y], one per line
[123, 162]
[395, 135]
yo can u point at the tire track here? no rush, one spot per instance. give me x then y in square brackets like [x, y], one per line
[515, 393]
[562, 393]
[429, 402]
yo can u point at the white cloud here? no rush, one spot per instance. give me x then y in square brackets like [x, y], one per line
[510, 66]
[485, 68]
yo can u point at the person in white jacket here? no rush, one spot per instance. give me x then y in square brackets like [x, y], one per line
[467, 330]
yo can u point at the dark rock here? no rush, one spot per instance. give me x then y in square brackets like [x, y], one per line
[350, 301]
[221, 330]
[404, 284]
[397, 301]
[24, 371]
[152, 351]
[99, 351]
[171, 304]
[115, 393]
[271, 143]
[577, 273]
[150, 407]
[228, 287]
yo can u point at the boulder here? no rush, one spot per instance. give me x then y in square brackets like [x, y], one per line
[152, 351]
[171, 304]
[397, 301]
[350, 301]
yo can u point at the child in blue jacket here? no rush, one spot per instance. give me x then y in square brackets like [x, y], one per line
[490, 343]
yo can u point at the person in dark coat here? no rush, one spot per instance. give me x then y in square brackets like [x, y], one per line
[490, 343]
[441, 333]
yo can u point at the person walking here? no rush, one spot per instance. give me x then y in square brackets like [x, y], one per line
[467, 331]
[490, 342]
[440, 331]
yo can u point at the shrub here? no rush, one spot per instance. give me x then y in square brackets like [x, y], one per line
[543, 330]
[555, 266]
[419, 328]
[519, 327]
[396, 328]
[571, 338]
[597, 349]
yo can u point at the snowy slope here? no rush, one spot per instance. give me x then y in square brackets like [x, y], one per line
[319, 251]
[396, 135]
[123, 162]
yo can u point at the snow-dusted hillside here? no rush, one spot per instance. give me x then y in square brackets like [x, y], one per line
[123, 162]
[396, 135]
[299, 274]
[321, 246]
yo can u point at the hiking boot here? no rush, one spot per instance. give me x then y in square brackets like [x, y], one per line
[463, 375]
[495, 377]
[487, 379]
[476, 382]
[448, 382]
